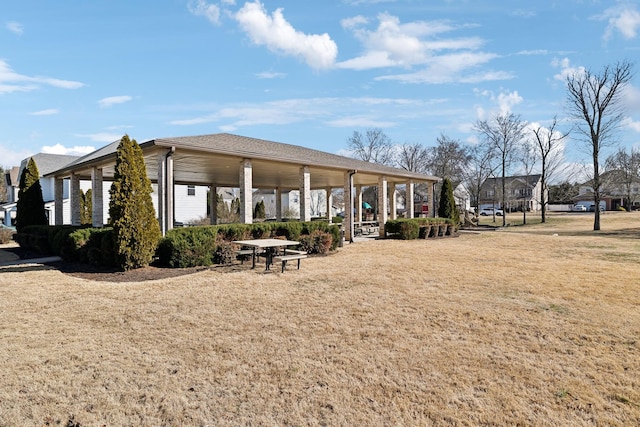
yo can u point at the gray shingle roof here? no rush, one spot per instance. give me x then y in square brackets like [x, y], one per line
[246, 147]
[243, 146]
[48, 163]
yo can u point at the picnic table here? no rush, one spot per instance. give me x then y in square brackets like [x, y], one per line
[270, 247]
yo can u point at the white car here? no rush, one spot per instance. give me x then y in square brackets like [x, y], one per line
[578, 208]
[489, 211]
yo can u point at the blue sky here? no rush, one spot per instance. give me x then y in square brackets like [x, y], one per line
[76, 74]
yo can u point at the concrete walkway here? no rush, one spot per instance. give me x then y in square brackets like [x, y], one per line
[8, 259]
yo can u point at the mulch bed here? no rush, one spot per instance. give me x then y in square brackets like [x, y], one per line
[104, 274]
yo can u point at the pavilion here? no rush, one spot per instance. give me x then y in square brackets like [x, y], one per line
[226, 160]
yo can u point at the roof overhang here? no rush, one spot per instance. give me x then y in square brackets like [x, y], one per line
[216, 159]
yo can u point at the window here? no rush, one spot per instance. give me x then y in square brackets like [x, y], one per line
[489, 193]
[191, 190]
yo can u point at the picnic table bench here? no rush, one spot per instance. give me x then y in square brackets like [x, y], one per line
[270, 248]
[290, 255]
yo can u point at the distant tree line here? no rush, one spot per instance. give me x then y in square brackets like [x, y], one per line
[507, 143]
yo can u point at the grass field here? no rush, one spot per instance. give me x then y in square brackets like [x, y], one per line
[530, 325]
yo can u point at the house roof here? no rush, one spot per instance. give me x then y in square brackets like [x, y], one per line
[509, 180]
[214, 159]
[47, 163]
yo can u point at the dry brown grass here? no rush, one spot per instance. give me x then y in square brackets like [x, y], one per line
[534, 325]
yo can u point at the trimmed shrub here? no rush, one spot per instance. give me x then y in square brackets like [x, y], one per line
[318, 242]
[136, 230]
[409, 230]
[447, 207]
[413, 228]
[201, 246]
[188, 247]
[30, 205]
[6, 235]
[225, 251]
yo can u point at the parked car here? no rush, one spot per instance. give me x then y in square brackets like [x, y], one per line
[578, 208]
[592, 208]
[489, 211]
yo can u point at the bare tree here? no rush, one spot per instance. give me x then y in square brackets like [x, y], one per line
[412, 157]
[625, 168]
[448, 159]
[549, 144]
[594, 102]
[318, 201]
[504, 133]
[479, 168]
[374, 146]
[529, 159]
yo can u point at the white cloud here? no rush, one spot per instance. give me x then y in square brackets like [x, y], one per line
[63, 84]
[633, 125]
[419, 43]
[113, 100]
[101, 136]
[623, 18]
[359, 2]
[353, 22]
[393, 43]
[360, 122]
[566, 69]
[15, 27]
[11, 155]
[10, 81]
[504, 103]
[48, 112]
[270, 75]
[452, 68]
[329, 110]
[533, 52]
[209, 11]
[278, 35]
[631, 96]
[78, 150]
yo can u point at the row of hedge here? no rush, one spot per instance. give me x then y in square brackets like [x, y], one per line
[181, 247]
[71, 243]
[419, 228]
[206, 245]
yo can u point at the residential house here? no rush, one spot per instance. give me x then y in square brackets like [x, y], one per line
[615, 188]
[522, 192]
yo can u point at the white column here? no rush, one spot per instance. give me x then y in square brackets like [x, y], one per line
[348, 208]
[246, 192]
[329, 199]
[383, 203]
[74, 199]
[409, 194]
[305, 194]
[278, 204]
[432, 206]
[213, 202]
[97, 202]
[169, 189]
[358, 203]
[58, 189]
[162, 194]
[393, 201]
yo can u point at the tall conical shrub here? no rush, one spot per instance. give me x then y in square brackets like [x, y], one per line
[86, 207]
[30, 205]
[136, 231]
[447, 207]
